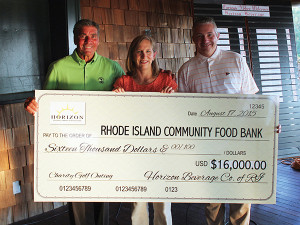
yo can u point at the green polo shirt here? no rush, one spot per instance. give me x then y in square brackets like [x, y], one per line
[73, 73]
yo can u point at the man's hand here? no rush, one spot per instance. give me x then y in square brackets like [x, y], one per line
[278, 129]
[31, 105]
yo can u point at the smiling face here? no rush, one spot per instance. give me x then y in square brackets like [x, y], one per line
[87, 42]
[205, 38]
[144, 55]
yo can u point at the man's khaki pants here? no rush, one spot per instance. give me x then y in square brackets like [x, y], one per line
[239, 214]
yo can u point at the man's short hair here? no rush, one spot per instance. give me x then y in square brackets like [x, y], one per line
[82, 23]
[203, 20]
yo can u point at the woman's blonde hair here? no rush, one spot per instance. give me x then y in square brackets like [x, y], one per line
[130, 62]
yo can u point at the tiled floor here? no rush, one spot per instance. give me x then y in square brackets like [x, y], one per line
[285, 212]
[287, 208]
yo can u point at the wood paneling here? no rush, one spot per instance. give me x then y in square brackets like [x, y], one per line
[113, 51]
[96, 15]
[168, 21]
[6, 215]
[7, 116]
[115, 4]
[17, 158]
[132, 18]
[119, 16]
[20, 212]
[107, 17]
[29, 119]
[18, 112]
[103, 50]
[84, 3]
[2, 118]
[122, 50]
[28, 174]
[144, 6]
[4, 165]
[87, 13]
[100, 3]
[34, 208]
[28, 188]
[7, 197]
[143, 19]
[123, 4]
[20, 136]
[109, 34]
[2, 181]
[133, 5]
[9, 138]
[29, 153]
[31, 133]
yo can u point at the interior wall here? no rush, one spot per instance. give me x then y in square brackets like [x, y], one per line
[169, 21]
[16, 164]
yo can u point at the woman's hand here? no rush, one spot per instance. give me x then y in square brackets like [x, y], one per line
[167, 90]
[119, 90]
[31, 105]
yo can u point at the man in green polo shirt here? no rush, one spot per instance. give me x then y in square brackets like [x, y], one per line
[83, 70]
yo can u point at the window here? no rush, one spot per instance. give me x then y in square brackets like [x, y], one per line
[268, 43]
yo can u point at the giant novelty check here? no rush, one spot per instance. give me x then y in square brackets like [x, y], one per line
[105, 146]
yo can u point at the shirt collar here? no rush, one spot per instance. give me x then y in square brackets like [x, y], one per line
[80, 61]
[204, 58]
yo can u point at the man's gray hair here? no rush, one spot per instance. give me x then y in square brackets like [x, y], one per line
[82, 23]
[204, 20]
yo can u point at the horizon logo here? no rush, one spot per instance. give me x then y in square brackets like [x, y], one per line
[67, 113]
